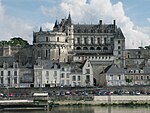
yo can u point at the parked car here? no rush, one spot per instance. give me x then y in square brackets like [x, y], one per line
[1, 94]
[137, 93]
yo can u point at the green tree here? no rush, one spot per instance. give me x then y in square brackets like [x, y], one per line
[18, 41]
[128, 80]
[147, 47]
[14, 42]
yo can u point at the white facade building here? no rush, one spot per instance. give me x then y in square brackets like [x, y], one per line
[9, 74]
[56, 74]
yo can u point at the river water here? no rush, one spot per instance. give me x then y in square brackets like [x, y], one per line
[90, 110]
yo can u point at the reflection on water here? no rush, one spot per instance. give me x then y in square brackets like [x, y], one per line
[97, 109]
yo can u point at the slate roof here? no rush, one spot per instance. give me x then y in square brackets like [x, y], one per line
[81, 28]
[48, 64]
[9, 60]
[113, 69]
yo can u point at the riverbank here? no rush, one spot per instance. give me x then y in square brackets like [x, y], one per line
[88, 101]
[107, 100]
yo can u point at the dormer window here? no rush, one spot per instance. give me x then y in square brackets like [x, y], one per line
[5, 65]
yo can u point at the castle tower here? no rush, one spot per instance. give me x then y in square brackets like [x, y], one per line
[119, 48]
[50, 45]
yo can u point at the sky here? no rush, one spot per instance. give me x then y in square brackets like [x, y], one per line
[19, 18]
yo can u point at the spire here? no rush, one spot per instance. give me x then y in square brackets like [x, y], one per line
[69, 19]
[56, 24]
[41, 29]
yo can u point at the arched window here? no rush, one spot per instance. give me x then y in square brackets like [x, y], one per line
[78, 48]
[57, 39]
[98, 48]
[92, 48]
[105, 48]
[46, 39]
[85, 48]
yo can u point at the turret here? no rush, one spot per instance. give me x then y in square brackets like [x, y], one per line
[69, 20]
[55, 28]
[40, 29]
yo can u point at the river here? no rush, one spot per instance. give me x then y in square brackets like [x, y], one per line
[96, 109]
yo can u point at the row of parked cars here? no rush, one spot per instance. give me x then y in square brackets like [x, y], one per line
[97, 93]
[79, 93]
[11, 94]
[135, 92]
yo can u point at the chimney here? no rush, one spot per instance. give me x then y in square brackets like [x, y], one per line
[114, 25]
[100, 22]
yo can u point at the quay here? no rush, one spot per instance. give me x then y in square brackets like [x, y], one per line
[107, 100]
[38, 102]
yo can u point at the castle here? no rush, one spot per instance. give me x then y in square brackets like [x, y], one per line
[89, 48]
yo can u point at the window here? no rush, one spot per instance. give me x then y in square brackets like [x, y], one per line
[128, 56]
[62, 75]
[147, 77]
[78, 78]
[46, 53]
[87, 77]
[137, 77]
[119, 47]
[16, 65]
[78, 40]
[47, 74]
[111, 77]
[46, 39]
[8, 73]
[57, 39]
[98, 40]
[119, 77]
[67, 75]
[2, 80]
[15, 73]
[8, 80]
[63, 69]
[73, 78]
[119, 52]
[92, 40]
[87, 71]
[105, 40]
[15, 80]
[118, 41]
[85, 41]
[141, 77]
[2, 73]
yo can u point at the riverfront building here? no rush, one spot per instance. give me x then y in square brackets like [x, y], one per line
[75, 55]
[55, 74]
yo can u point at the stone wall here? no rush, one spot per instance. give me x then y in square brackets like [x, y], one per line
[122, 99]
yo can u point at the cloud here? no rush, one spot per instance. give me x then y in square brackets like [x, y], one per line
[94, 10]
[48, 26]
[13, 26]
[148, 19]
